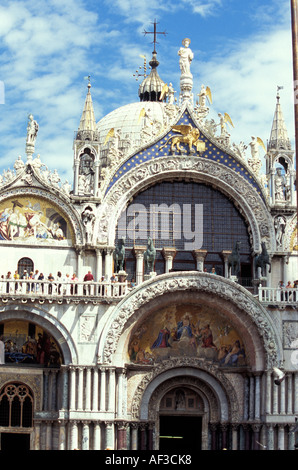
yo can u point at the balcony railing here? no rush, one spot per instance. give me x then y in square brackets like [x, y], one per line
[285, 296]
[60, 289]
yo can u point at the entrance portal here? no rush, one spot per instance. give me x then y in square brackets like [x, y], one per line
[15, 441]
[180, 433]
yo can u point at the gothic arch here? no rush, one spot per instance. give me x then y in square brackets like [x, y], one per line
[46, 321]
[197, 169]
[251, 318]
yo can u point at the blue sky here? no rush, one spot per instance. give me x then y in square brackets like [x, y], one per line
[242, 51]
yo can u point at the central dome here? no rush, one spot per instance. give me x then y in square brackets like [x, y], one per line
[129, 121]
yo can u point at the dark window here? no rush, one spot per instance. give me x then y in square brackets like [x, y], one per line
[25, 264]
[186, 216]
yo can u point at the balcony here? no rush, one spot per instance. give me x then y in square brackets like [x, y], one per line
[278, 296]
[24, 290]
[106, 291]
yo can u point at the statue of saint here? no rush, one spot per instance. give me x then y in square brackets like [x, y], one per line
[32, 129]
[186, 57]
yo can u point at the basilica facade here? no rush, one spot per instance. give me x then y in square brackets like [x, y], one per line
[151, 304]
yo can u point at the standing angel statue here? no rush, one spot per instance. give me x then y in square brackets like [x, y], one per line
[186, 57]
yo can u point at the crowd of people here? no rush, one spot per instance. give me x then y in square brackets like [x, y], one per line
[60, 284]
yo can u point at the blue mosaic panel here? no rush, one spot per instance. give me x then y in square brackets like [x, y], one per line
[211, 153]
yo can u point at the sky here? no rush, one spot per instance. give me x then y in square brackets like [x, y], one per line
[242, 51]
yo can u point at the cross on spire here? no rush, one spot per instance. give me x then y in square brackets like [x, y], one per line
[154, 32]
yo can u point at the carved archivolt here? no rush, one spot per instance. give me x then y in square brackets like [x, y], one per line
[244, 195]
[200, 385]
[218, 286]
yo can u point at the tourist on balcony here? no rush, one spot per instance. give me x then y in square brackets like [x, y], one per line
[8, 285]
[16, 276]
[88, 278]
[74, 288]
[59, 278]
[51, 279]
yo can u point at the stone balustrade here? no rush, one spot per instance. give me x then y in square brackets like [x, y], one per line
[61, 289]
[285, 296]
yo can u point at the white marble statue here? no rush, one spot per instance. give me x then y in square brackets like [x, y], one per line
[32, 129]
[186, 57]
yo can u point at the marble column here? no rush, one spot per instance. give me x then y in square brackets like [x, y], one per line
[37, 429]
[80, 388]
[121, 436]
[72, 398]
[289, 379]
[134, 436]
[169, 255]
[120, 375]
[200, 256]
[270, 437]
[62, 436]
[76, 177]
[143, 432]
[98, 264]
[95, 390]
[225, 255]
[139, 254]
[88, 389]
[235, 436]
[109, 435]
[64, 387]
[86, 435]
[109, 261]
[296, 393]
[74, 436]
[112, 389]
[102, 405]
[257, 413]
[79, 252]
[48, 435]
[281, 437]
[268, 393]
[291, 437]
[97, 437]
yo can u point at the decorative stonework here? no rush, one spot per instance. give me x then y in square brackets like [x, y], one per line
[33, 379]
[171, 283]
[196, 382]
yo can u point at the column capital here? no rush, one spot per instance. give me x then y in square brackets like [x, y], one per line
[139, 250]
[200, 254]
[169, 252]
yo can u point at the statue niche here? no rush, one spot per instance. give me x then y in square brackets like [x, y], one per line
[86, 173]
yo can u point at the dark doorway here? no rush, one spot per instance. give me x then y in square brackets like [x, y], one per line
[180, 433]
[15, 441]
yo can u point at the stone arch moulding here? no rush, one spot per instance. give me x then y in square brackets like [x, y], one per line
[233, 185]
[207, 380]
[64, 206]
[48, 322]
[131, 309]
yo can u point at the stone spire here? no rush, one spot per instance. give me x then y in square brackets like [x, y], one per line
[279, 139]
[88, 122]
